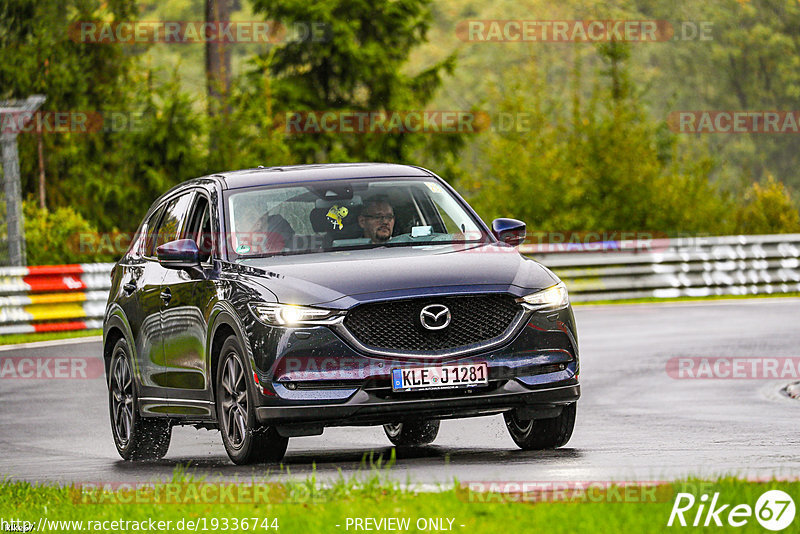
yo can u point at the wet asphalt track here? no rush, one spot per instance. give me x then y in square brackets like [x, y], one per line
[634, 421]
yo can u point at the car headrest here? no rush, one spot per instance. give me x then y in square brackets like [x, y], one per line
[271, 233]
[328, 221]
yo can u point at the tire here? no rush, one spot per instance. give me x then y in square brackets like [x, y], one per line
[136, 437]
[417, 432]
[539, 434]
[245, 440]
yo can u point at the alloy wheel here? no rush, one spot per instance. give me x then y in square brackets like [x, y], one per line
[234, 401]
[122, 398]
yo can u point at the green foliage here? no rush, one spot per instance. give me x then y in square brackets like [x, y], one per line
[54, 237]
[593, 151]
[606, 167]
[356, 64]
[252, 135]
[110, 176]
[768, 209]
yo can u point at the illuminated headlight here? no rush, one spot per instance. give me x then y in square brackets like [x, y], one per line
[551, 298]
[292, 315]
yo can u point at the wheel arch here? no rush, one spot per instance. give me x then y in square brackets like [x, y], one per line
[116, 327]
[225, 323]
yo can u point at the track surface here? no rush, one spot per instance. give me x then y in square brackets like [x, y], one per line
[634, 421]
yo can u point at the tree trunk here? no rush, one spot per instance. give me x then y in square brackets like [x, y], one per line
[218, 62]
[42, 194]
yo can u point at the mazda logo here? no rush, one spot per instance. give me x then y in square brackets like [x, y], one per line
[435, 316]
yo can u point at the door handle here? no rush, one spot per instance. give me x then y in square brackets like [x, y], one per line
[166, 295]
[129, 287]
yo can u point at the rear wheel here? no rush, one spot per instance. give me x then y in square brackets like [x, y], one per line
[245, 440]
[538, 434]
[417, 432]
[136, 437]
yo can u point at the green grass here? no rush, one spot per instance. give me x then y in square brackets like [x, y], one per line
[12, 339]
[309, 507]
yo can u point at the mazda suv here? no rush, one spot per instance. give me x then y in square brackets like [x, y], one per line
[271, 303]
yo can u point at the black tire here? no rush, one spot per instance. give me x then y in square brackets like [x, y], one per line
[539, 434]
[417, 432]
[136, 437]
[245, 440]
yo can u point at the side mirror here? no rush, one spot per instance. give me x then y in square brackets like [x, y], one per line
[509, 231]
[179, 254]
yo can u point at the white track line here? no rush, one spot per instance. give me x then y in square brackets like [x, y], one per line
[700, 302]
[52, 343]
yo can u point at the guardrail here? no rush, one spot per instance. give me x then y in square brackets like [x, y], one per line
[73, 297]
[53, 297]
[681, 267]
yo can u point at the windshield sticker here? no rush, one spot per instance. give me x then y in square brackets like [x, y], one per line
[419, 231]
[243, 249]
[435, 188]
[336, 215]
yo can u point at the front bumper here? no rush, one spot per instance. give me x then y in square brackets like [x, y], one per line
[311, 376]
[364, 408]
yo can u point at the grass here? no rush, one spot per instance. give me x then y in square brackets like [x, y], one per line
[12, 339]
[307, 506]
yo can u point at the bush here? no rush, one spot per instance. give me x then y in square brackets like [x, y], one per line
[767, 209]
[54, 237]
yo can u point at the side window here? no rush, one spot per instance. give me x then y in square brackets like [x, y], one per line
[199, 228]
[149, 246]
[174, 219]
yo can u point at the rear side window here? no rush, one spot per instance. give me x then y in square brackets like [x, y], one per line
[174, 219]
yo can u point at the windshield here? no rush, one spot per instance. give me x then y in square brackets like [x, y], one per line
[335, 215]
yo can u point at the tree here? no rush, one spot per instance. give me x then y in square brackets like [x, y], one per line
[352, 59]
[599, 165]
[110, 175]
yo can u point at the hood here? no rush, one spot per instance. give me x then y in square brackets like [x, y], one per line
[342, 279]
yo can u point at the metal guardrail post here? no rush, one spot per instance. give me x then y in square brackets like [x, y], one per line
[15, 223]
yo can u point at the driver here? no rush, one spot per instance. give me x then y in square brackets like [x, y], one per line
[377, 220]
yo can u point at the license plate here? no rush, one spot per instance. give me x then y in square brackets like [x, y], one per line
[440, 377]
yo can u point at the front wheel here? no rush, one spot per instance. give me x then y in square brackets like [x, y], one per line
[136, 437]
[245, 440]
[419, 432]
[538, 434]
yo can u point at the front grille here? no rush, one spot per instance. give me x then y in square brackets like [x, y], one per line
[395, 325]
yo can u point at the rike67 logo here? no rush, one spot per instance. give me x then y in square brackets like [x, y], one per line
[774, 510]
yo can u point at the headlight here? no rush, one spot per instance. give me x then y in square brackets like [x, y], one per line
[292, 315]
[551, 298]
